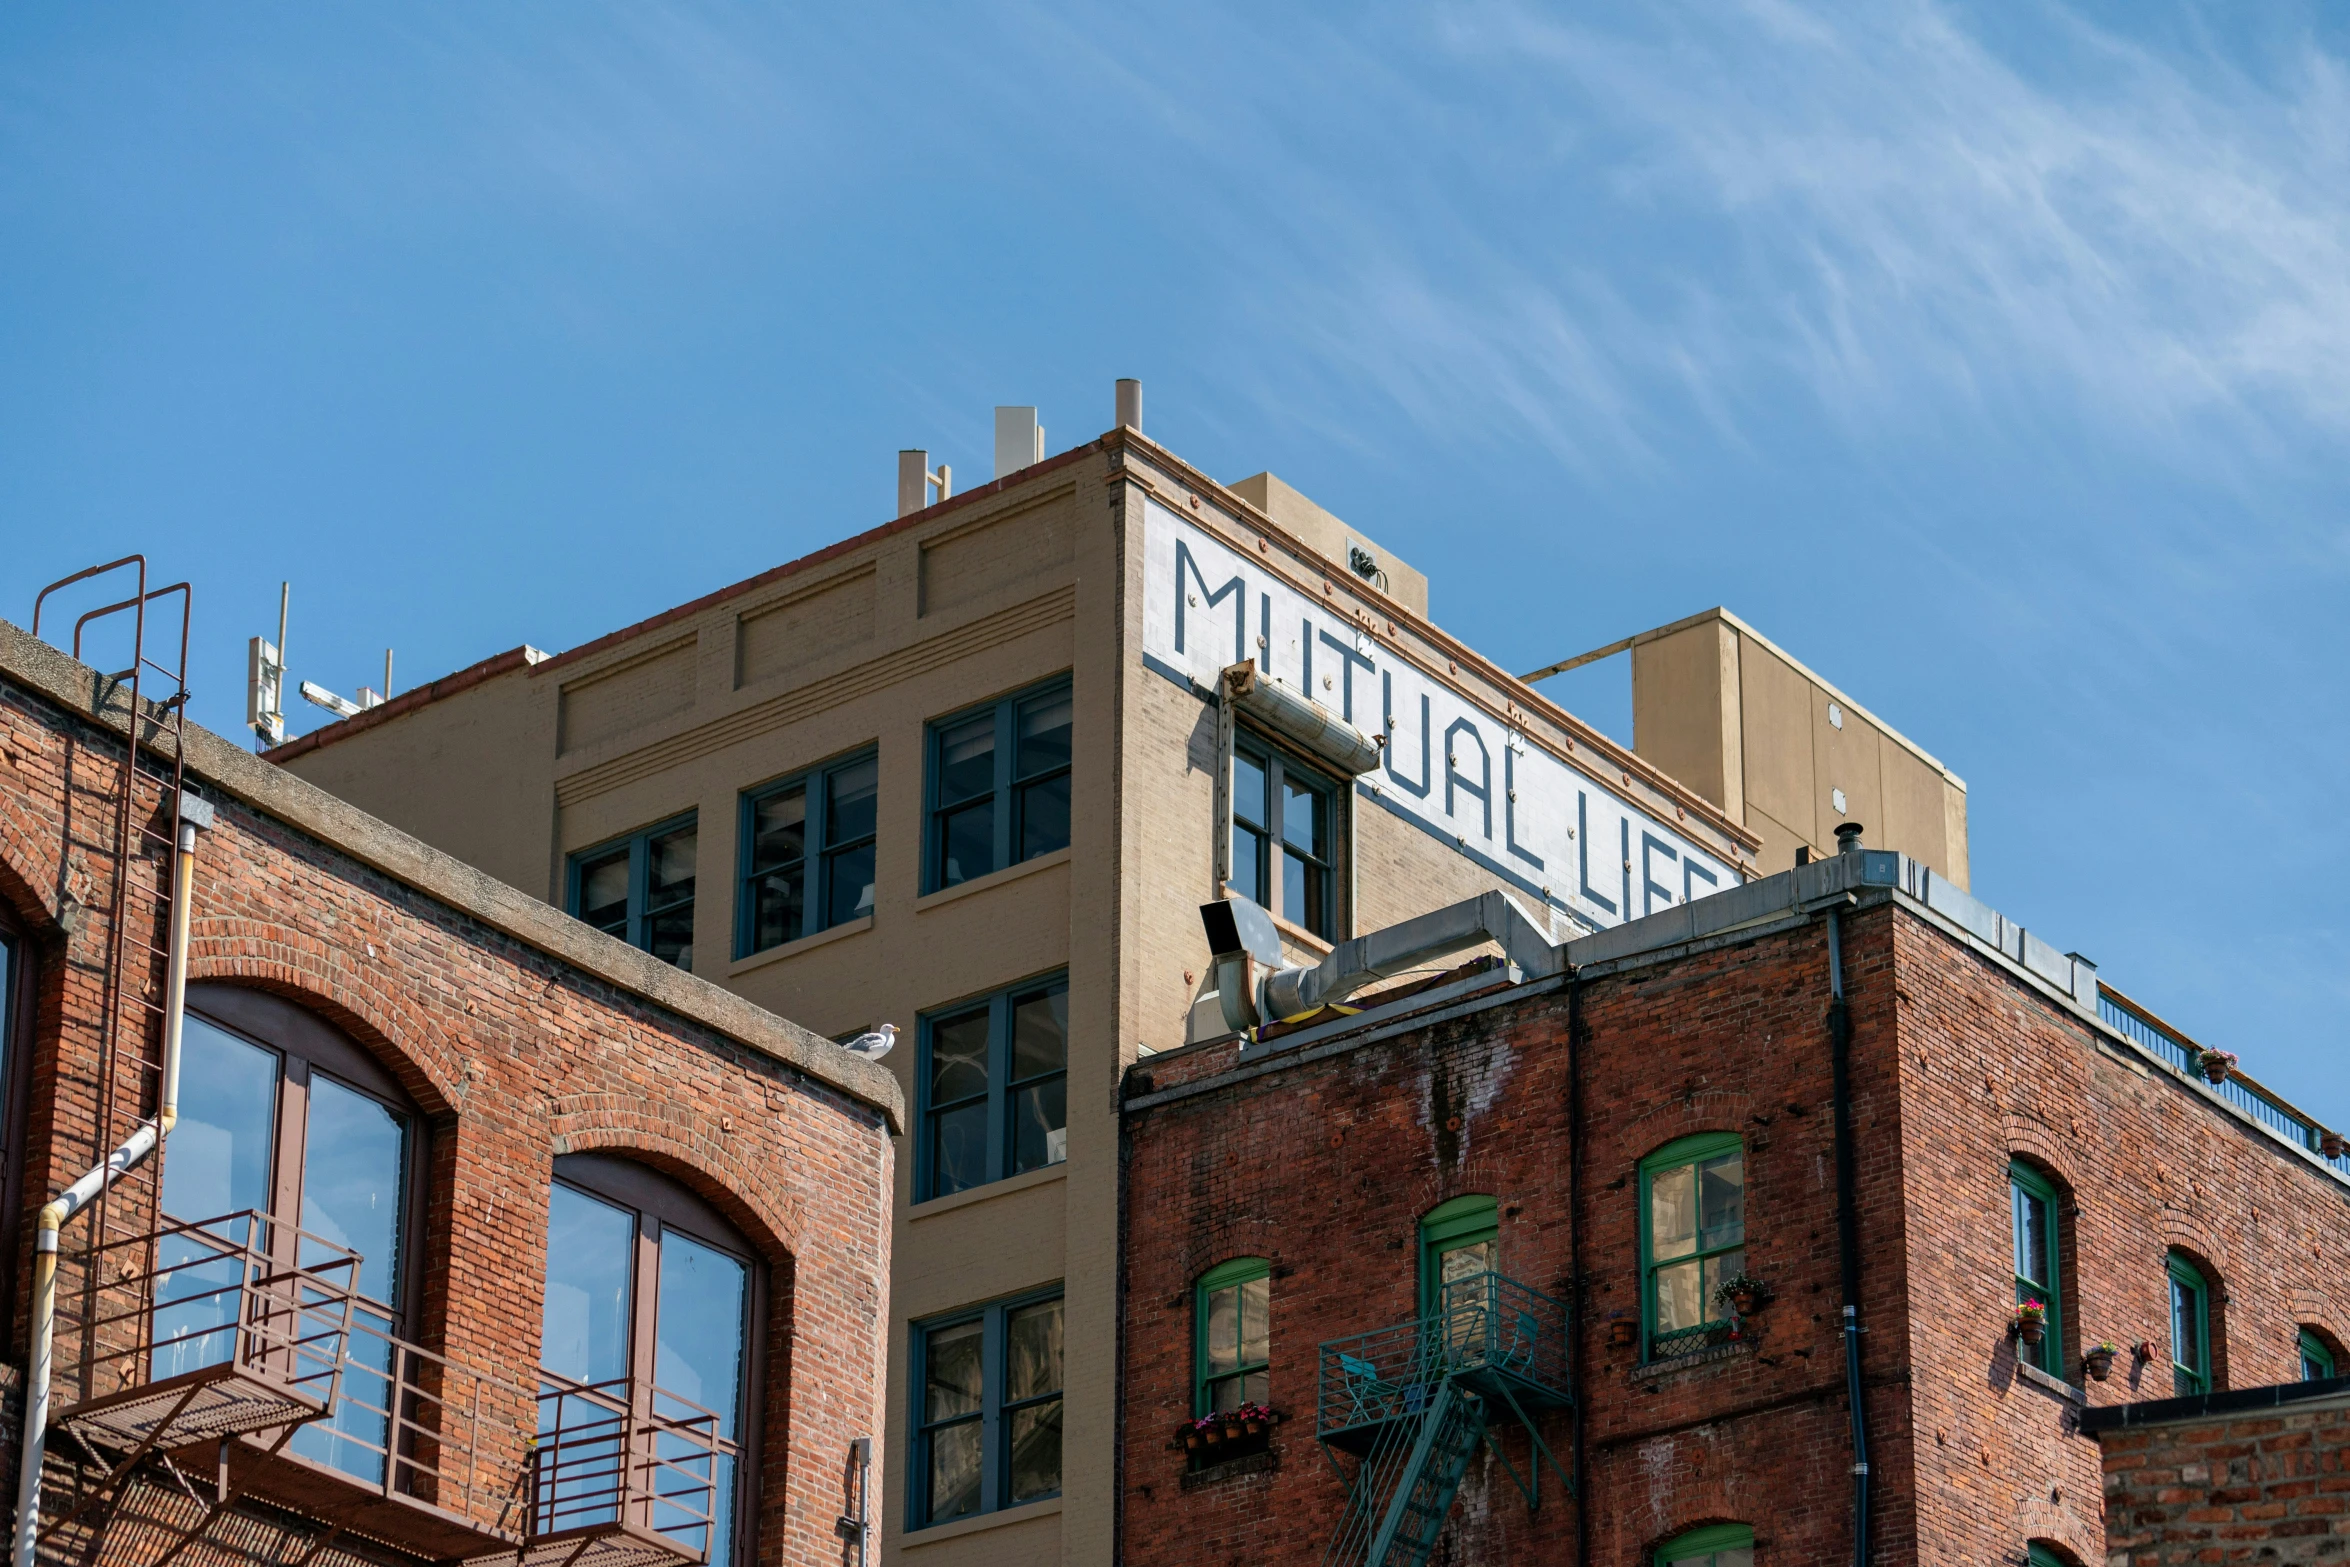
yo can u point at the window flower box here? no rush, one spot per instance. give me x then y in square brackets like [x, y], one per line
[1226, 1434]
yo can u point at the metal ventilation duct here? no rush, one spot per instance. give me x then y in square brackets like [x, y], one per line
[1307, 725]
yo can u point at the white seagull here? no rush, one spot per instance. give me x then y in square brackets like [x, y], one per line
[875, 1045]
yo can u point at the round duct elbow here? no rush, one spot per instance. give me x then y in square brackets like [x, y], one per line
[1305, 724]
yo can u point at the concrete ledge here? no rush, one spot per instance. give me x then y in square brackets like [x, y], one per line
[228, 769]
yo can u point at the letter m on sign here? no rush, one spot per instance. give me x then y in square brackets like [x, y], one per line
[1187, 575]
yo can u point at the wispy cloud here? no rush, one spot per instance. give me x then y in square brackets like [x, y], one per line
[1879, 209]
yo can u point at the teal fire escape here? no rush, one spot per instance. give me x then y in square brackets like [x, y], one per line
[1414, 1401]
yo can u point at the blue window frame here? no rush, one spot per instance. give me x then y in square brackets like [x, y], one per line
[2317, 1357]
[2190, 1327]
[807, 852]
[987, 1409]
[2032, 1212]
[641, 889]
[993, 1083]
[998, 785]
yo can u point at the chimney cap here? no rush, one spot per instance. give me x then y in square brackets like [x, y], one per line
[1848, 838]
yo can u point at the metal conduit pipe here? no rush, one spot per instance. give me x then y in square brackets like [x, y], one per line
[1578, 1296]
[1848, 1220]
[61, 1209]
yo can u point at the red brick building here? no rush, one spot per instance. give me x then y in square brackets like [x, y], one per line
[2251, 1474]
[477, 1235]
[1602, 1209]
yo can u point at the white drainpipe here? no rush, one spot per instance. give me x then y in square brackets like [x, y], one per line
[61, 1209]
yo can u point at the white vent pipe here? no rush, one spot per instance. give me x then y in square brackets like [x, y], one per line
[61, 1209]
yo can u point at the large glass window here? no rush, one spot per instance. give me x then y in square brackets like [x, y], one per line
[998, 785]
[2317, 1357]
[987, 1416]
[1715, 1545]
[993, 1082]
[2190, 1327]
[807, 854]
[1692, 1238]
[287, 1122]
[1284, 837]
[641, 889]
[1231, 1317]
[645, 1277]
[2032, 1229]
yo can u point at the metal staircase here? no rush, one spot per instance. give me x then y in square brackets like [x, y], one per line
[1416, 1400]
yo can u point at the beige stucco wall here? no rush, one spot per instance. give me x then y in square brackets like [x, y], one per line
[864, 646]
[1724, 710]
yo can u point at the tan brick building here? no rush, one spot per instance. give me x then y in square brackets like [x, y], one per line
[972, 772]
[1469, 1210]
[473, 1234]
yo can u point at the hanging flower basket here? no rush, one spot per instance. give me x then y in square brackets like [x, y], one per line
[2097, 1360]
[1623, 1333]
[2031, 1321]
[1743, 1294]
[2333, 1144]
[2217, 1066]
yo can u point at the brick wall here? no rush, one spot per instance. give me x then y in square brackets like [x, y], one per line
[2223, 1485]
[514, 1056]
[1325, 1165]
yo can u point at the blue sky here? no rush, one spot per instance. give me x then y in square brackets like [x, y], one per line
[1995, 361]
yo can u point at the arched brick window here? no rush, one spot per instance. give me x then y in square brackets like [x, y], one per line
[652, 1309]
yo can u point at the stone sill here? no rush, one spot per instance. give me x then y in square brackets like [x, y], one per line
[1712, 1354]
[964, 889]
[2027, 1372]
[975, 1194]
[1232, 1469]
[792, 949]
[1002, 1518]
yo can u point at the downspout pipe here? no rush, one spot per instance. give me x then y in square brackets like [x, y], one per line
[61, 1209]
[1577, 1294]
[1848, 1217]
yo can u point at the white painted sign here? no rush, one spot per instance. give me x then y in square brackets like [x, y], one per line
[1452, 768]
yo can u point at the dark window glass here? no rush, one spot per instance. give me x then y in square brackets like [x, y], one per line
[999, 786]
[639, 1271]
[641, 890]
[2317, 1358]
[988, 1415]
[958, 1102]
[2190, 1328]
[1284, 838]
[993, 1088]
[808, 854]
[603, 893]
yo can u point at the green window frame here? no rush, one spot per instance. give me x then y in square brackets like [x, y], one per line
[2317, 1358]
[1692, 1237]
[1232, 1359]
[1459, 1239]
[2038, 1555]
[2190, 1327]
[640, 888]
[807, 847]
[998, 784]
[2039, 1261]
[1714, 1545]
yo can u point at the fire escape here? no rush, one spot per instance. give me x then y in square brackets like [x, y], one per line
[216, 1391]
[1413, 1403]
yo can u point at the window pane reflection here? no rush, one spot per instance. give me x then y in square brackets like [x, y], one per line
[591, 1255]
[354, 1160]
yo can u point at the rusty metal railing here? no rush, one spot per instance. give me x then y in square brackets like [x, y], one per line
[617, 1455]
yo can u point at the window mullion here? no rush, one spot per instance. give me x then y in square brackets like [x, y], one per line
[999, 1092]
[994, 1463]
[1006, 736]
[640, 890]
[817, 878]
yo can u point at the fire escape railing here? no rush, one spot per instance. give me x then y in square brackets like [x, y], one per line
[620, 1460]
[1414, 1401]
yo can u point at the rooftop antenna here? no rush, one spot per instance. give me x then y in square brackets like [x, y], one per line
[265, 678]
